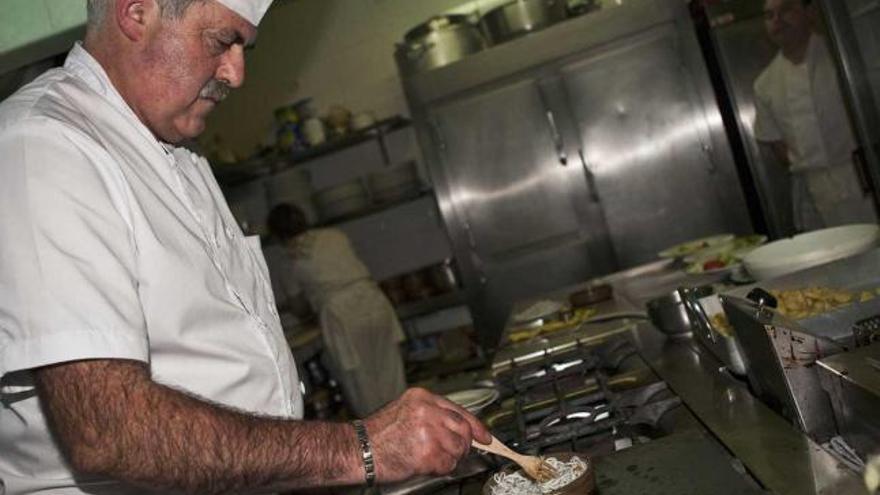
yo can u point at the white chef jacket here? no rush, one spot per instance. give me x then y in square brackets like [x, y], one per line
[802, 105]
[116, 246]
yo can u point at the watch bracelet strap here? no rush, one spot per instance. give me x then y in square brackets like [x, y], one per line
[366, 452]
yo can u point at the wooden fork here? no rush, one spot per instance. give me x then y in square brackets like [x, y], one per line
[536, 467]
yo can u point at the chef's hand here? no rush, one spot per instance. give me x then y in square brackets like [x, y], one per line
[421, 433]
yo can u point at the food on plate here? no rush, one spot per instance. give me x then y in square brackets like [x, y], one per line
[723, 255]
[747, 243]
[537, 310]
[519, 484]
[712, 263]
[803, 303]
[691, 247]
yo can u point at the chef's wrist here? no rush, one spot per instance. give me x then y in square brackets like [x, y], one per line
[365, 451]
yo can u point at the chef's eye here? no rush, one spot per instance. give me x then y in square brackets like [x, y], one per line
[220, 45]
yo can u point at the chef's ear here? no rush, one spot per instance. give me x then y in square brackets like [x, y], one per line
[135, 17]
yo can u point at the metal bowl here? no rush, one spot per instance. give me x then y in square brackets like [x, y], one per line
[585, 484]
[669, 313]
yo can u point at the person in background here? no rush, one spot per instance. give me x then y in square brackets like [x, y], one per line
[140, 348]
[800, 115]
[359, 326]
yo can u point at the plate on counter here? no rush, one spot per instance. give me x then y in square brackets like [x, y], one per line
[694, 246]
[724, 257]
[474, 400]
[538, 311]
[737, 247]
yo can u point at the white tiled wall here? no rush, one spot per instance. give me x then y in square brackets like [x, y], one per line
[336, 51]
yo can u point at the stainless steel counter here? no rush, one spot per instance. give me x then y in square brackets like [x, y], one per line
[667, 466]
[781, 458]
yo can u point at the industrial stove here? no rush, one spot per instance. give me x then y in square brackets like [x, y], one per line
[590, 397]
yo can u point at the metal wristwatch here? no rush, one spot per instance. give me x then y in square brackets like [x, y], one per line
[366, 452]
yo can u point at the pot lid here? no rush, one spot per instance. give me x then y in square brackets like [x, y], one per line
[436, 23]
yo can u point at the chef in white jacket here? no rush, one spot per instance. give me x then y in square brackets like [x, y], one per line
[360, 329]
[800, 114]
[140, 348]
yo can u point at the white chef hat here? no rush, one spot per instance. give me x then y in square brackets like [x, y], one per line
[251, 10]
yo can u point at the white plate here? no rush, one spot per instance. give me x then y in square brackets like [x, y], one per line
[474, 399]
[811, 249]
[738, 248]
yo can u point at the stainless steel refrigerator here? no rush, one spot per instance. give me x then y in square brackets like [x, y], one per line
[575, 151]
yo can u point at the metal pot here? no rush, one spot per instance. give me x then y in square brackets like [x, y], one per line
[440, 41]
[670, 314]
[522, 17]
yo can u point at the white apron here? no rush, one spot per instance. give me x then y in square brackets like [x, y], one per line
[360, 328]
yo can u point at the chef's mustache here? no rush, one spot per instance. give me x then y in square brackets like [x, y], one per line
[216, 90]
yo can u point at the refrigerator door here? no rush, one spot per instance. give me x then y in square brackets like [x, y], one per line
[647, 137]
[853, 30]
[518, 205]
[511, 177]
[743, 50]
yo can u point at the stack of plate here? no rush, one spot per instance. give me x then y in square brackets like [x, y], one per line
[811, 249]
[395, 183]
[342, 200]
[474, 400]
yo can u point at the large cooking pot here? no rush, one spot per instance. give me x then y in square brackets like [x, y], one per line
[440, 41]
[522, 17]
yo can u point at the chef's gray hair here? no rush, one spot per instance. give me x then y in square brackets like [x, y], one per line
[171, 9]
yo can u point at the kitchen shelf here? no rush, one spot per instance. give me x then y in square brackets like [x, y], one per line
[240, 173]
[375, 209]
[375, 131]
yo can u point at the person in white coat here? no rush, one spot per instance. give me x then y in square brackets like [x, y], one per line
[360, 329]
[140, 347]
[801, 116]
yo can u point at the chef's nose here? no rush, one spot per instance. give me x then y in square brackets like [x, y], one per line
[231, 68]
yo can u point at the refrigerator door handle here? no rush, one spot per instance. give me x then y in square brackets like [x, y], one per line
[437, 135]
[557, 138]
[860, 163]
[591, 178]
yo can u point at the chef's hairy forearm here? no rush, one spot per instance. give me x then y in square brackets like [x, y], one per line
[112, 420]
